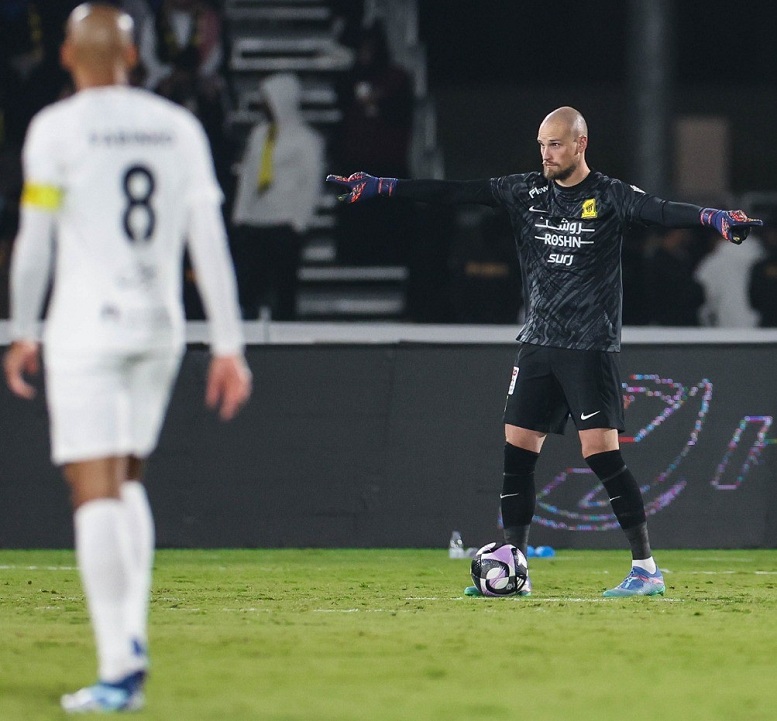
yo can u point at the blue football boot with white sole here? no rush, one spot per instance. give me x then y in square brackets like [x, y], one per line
[124, 695]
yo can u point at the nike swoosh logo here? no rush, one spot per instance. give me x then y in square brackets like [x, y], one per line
[532, 209]
[586, 416]
[508, 495]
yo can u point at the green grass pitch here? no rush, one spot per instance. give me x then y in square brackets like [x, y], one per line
[387, 635]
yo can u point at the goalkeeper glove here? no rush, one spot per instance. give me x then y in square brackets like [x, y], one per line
[362, 186]
[733, 225]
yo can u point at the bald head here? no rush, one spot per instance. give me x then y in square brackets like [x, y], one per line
[563, 139]
[567, 120]
[98, 47]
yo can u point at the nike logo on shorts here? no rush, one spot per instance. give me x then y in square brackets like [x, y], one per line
[508, 495]
[586, 416]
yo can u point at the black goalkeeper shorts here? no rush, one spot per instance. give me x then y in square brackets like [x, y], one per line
[550, 384]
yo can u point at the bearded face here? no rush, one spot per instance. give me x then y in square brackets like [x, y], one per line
[561, 149]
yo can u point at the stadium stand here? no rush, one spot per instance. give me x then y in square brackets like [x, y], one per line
[310, 38]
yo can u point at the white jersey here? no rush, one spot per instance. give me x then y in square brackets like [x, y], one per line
[125, 176]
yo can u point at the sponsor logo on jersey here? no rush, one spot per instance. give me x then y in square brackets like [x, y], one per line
[560, 258]
[538, 191]
[565, 234]
[589, 209]
[565, 241]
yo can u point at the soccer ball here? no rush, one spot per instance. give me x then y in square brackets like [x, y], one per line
[499, 569]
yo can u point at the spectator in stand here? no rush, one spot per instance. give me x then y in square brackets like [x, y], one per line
[278, 190]
[676, 294]
[375, 134]
[725, 277]
[763, 276]
[182, 34]
[377, 101]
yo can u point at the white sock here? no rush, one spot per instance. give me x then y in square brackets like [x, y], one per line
[647, 563]
[141, 526]
[104, 555]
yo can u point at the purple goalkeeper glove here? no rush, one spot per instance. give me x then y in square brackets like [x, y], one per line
[362, 186]
[733, 225]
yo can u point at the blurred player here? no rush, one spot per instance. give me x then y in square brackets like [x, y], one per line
[568, 224]
[123, 179]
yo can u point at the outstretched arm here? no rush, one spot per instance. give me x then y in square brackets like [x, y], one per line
[361, 186]
[733, 225]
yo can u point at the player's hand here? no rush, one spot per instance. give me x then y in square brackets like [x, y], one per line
[229, 385]
[733, 225]
[362, 186]
[21, 359]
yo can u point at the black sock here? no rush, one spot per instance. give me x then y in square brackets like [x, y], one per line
[518, 495]
[625, 499]
[517, 536]
[639, 541]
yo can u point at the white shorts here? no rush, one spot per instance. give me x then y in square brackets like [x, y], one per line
[107, 405]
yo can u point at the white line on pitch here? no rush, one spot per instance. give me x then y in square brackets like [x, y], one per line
[522, 599]
[38, 568]
[361, 610]
[728, 573]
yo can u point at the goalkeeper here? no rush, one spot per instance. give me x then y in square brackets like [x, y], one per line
[568, 223]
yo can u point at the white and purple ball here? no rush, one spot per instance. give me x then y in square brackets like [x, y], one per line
[499, 569]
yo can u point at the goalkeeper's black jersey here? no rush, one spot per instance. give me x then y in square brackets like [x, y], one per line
[569, 244]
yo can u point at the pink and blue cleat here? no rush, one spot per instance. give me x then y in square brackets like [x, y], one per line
[639, 582]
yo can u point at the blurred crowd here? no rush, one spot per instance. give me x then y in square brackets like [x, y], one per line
[462, 264]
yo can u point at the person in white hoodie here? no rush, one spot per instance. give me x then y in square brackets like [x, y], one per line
[724, 276]
[278, 189]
